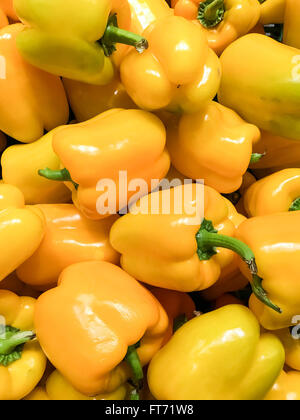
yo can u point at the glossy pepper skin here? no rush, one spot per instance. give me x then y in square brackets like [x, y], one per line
[272, 11]
[70, 39]
[291, 343]
[168, 76]
[286, 387]
[279, 153]
[217, 356]
[267, 94]
[8, 7]
[106, 311]
[117, 140]
[291, 34]
[222, 21]
[196, 143]
[274, 240]
[21, 376]
[22, 230]
[20, 165]
[37, 98]
[57, 388]
[87, 101]
[145, 12]
[161, 250]
[69, 238]
[279, 192]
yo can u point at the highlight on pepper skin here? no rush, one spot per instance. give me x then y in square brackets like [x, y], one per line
[149, 202]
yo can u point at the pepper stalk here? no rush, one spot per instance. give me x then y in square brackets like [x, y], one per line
[113, 35]
[211, 13]
[11, 345]
[208, 239]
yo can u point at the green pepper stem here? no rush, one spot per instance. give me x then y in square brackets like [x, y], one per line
[9, 344]
[134, 395]
[211, 13]
[261, 294]
[256, 157]
[132, 358]
[209, 240]
[62, 175]
[295, 205]
[113, 35]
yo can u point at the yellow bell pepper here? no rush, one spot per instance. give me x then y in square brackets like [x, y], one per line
[217, 356]
[222, 21]
[179, 72]
[290, 339]
[8, 7]
[75, 39]
[291, 33]
[274, 239]
[59, 389]
[277, 153]
[20, 165]
[276, 193]
[117, 140]
[181, 250]
[31, 100]
[22, 362]
[272, 11]
[22, 230]
[97, 317]
[88, 101]
[69, 238]
[286, 388]
[267, 94]
[196, 143]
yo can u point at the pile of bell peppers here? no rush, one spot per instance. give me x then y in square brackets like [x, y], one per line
[116, 299]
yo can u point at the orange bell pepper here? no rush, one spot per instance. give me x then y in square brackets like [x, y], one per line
[178, 73]
[31, 100]
[179, 307]
[88, 101]
[93, 320]
[290, 339]
[286, 388]
[117, 140]
[272, 11]
[181, 250]
[8, 7]
[277, 153]
[222, 21]
[3, 19]
[274, 239]
[196, 143]
[291, 33]
[276, 193]
[69, 238]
